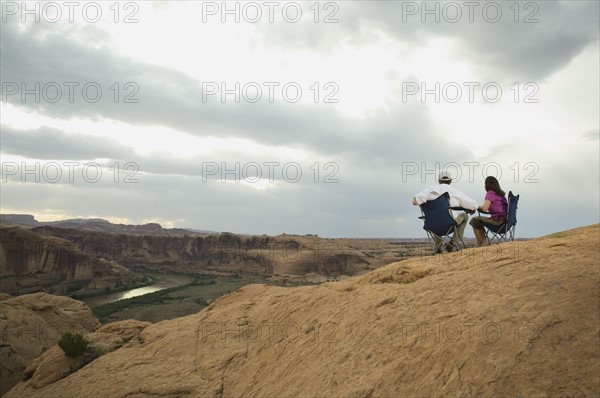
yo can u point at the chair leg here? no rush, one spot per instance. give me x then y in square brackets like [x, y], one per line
[435, 244]
[439, 245]
[462, 242]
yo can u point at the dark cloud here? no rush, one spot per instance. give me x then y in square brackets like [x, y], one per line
[527, 40]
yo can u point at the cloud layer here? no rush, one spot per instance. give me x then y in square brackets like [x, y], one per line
[170, 150]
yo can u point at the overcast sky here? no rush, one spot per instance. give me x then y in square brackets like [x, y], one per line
[298, 117]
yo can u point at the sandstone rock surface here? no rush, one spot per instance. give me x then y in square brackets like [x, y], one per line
[31, 324]
[53, 364]
[516, 319]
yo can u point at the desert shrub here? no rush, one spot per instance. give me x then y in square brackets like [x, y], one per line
[73, 344]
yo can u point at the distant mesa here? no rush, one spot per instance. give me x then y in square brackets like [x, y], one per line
[99, 224]
[20, 219]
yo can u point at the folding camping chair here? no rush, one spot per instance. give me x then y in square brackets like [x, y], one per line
[439, 223]
[506, 231]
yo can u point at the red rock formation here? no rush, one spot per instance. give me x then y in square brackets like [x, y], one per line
[516, 319]
[30, 262]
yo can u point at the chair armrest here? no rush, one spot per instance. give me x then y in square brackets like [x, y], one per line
[489, 213]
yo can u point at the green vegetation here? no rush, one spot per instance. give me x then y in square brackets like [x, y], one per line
[176, 301]
[372, 254]
[73, 344]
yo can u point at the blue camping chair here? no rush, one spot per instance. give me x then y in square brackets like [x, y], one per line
[506, 231]
[439, 223]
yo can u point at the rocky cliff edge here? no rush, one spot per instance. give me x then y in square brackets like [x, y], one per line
[516, 319]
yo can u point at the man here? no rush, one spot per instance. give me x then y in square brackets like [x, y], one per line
[457, 199]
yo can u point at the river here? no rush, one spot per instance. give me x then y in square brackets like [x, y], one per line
[161, 281]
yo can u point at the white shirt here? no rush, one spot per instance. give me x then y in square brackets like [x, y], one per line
[457, 198]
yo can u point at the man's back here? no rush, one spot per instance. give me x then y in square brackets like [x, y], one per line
[457, 197]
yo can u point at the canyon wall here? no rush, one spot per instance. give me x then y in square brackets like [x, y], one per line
[32, 262]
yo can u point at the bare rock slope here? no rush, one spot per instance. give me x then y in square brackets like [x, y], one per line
[517, 319]
[33, 323]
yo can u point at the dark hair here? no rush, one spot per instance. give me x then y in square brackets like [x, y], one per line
[492, 184]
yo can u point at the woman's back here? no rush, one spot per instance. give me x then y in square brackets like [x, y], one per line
[498, 205]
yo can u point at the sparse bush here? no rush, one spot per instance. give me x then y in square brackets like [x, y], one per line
[73, 344]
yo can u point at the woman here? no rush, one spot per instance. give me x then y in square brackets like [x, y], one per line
[495, 204]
